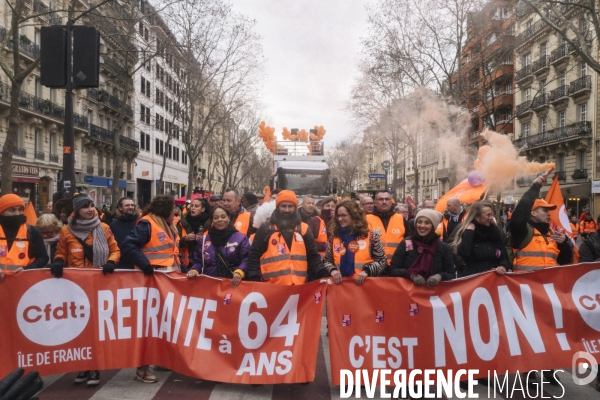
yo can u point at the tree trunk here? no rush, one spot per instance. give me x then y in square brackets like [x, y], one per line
[14, 122]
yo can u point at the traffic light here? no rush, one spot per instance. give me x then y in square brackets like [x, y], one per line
[53, 56]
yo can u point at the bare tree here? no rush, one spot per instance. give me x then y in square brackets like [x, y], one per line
[345, 160]
[222, 57]
[260, 168]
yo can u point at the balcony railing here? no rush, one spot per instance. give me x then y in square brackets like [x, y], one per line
[40, 106]
[48, 15]
[53, 158]
[20, 152]
[573, 131]
[443, 173]
[541, 63]
[529, 32]
[560, 52]
[580, 174]
[90, 170]
[25, 44]
[523, 73]
[38, 155]
[129, 143]
[559, 92]
[540, 101]
[583, 83]
[108, 136]
[562, 175]
[526, 105]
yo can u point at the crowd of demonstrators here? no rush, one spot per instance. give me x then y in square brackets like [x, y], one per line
[49, 226]
[423, 257]
[122, 225]
[191, 227]
[367, 204]
[455, 215]
[588, 225]
[240, 218]
[307, 210]
[389, 225]
[223, 251]
[354, 249]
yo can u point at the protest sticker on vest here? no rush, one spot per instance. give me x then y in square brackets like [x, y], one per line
[258, 333]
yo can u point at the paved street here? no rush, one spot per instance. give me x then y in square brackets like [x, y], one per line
[119, 384]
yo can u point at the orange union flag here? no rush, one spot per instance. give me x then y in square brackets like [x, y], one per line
[558, 216]
[464, 191]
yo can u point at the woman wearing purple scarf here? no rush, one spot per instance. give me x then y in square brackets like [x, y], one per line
[223, 252]
[423, 257]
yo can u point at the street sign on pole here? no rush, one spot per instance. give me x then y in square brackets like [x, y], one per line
[376, 176]
[385, 165]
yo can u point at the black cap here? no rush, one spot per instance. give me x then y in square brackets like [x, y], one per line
[215, 198]
[250, 198]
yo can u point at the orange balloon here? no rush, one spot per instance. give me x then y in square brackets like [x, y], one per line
[483, 150]
[477, 164]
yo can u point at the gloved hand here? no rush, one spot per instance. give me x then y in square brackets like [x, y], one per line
[418, 279]
[108, 268]
[434, 280]
[13, 388]
[56, 268]
[149, 270]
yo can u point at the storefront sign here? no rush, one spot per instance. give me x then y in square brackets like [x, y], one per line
[595, 186]
[25, 169]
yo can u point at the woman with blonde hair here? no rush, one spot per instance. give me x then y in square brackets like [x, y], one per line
[353, 249]
[49, 226]
[479, 242]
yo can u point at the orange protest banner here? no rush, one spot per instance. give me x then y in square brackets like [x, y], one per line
[490, 322]
[257, 333]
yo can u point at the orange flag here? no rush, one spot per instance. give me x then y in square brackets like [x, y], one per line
[559, 220]
[464, 191]
[267, 194]
[30, 213]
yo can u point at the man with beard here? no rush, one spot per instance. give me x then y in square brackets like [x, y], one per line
[21, 245]
[122, 225]
[307, 209]
[283, 250]
[240, 218]
[387, 223]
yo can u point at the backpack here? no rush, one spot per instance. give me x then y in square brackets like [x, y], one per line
[510, 246]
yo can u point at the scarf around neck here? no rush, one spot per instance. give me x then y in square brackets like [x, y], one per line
[218, 237]
[423, 265]
[83, 228]
[347, 260]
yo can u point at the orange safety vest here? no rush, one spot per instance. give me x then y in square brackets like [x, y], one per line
[442, 227]
[184, 252]
[322, 236]
[574, 230]
[390, 238]
[282, 265]
[508, 215]
[537, 254]
[242, 222]
[361, 258]
[160, 249]
[18, 255]
[588, 226]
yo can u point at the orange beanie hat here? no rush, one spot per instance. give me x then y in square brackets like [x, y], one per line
[12, 200]
[286, 195]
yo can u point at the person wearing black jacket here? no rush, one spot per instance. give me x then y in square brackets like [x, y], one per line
[423, 257]
[123, 225]
[480, 242]
[286, 220]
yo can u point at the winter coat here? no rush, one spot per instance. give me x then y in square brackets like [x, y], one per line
[236, 253]
[121, 228]
[589, 249]
[481, 254]
[442, 260]
[71, 251]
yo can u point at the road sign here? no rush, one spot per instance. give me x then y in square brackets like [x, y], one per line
[376, 176]
[385, 165]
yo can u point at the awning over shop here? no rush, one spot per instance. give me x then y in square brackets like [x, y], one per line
[25, 179]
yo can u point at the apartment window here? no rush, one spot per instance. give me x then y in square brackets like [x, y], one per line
[582, 70]
[146, 35]
[162, 147]
[582, 112]
[53, 143]
[157, 122]
[560, 162]
[100, 160]
[141, 28]
[170, 152]
[542, 87]
[184, 158]
[39, 141]
[147, 142]
[527, 59]
[157, 146]
[526, 130]
[142, 113]
[38, 87]
[142, 140]
[90, 115]
[562, 119]
[581, 159]
[157, 98]
[543, 125]
[53, 95]
[562, 78]
[527, 94]
[543, 49]
[143, 85]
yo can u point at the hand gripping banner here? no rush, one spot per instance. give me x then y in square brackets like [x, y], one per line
[257, 333]
[490, 322]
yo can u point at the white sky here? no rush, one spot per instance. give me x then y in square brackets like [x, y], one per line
[312, 48]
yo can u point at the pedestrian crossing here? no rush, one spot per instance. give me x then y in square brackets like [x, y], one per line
[119, 384]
